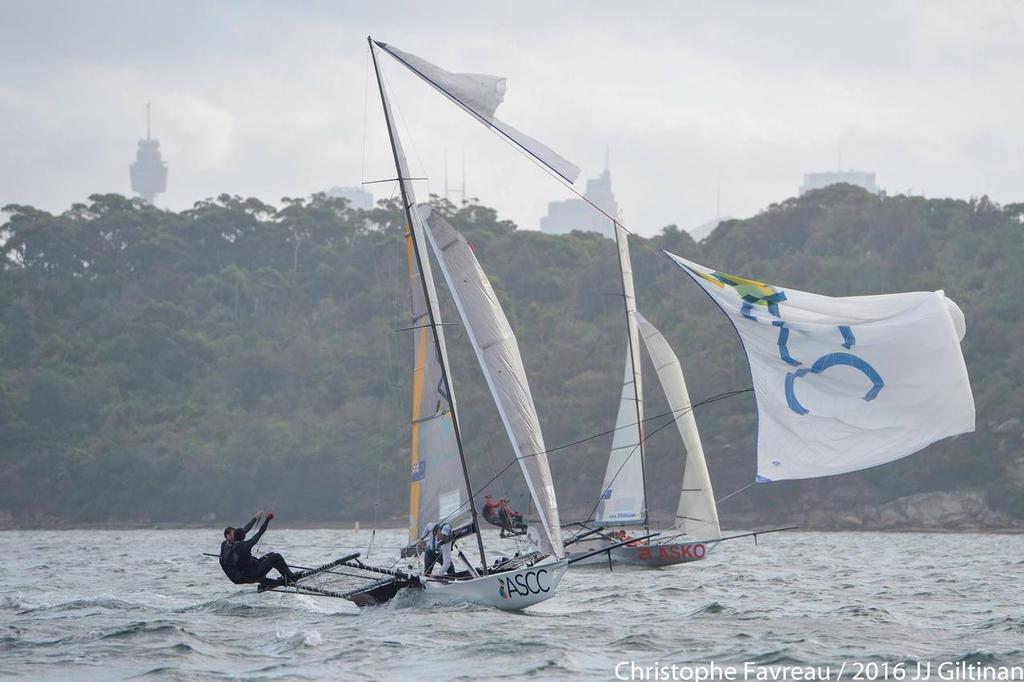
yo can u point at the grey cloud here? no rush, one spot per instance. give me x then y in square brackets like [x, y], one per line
[267, 98]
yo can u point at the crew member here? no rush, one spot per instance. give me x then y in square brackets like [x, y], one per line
[437, 540]
[500, 514]
[236, 557]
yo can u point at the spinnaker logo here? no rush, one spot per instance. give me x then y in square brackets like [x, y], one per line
[754, 293]
[523, 584]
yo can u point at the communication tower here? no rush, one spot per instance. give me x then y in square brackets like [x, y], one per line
[149, 172]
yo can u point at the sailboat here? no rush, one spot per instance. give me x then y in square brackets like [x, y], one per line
[623, 498]
[440, 488]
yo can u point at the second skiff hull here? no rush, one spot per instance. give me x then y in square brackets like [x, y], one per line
[653, 555]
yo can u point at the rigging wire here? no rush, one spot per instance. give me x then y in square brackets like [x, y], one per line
[682, 412]
[366, 102]
[646, 436]
[390, 266]
[408, 134]
[720, 500]
[380, 430]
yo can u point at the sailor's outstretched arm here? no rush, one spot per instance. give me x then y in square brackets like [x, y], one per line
[263, 529]
[252, 522]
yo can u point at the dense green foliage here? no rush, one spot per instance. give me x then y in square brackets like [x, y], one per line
[161, 366]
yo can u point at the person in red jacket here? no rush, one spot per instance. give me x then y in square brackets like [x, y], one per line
[499, 513]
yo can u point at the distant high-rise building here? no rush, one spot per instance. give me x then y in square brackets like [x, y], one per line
[357, 196]
[149, 172]
[850, 177]
[576, 214]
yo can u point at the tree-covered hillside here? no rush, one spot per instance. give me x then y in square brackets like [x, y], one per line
[161, 366]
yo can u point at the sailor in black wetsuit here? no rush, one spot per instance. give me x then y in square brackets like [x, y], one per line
[236, 555]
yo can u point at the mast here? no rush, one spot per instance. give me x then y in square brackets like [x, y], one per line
[630, 325]
[430, 311]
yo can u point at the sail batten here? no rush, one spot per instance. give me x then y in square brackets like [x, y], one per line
[497, 350]
[697, 513]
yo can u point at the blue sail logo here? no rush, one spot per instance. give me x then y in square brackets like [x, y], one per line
[755, 293]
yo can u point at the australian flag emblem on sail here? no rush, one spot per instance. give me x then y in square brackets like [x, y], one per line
[419, 470]
[607, 495]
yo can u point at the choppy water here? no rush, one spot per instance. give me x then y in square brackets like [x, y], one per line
[121, 604]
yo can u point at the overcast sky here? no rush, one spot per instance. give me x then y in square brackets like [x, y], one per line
[270, 99]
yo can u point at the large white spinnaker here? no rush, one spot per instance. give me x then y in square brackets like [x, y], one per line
[479, 95]
[844, 383]
[697, 514]
[623, 493]
[498, 353]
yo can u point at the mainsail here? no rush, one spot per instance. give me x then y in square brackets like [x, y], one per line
[697, 514]
[437, 488]
[845, 383]
[498, 353]
[438, 478]
[623, 493]
[479, 95]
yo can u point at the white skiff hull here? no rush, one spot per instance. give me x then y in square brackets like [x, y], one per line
[653, 555]
[511, 590]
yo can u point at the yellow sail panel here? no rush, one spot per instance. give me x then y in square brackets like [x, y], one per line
[417, 395]
[417, 392]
